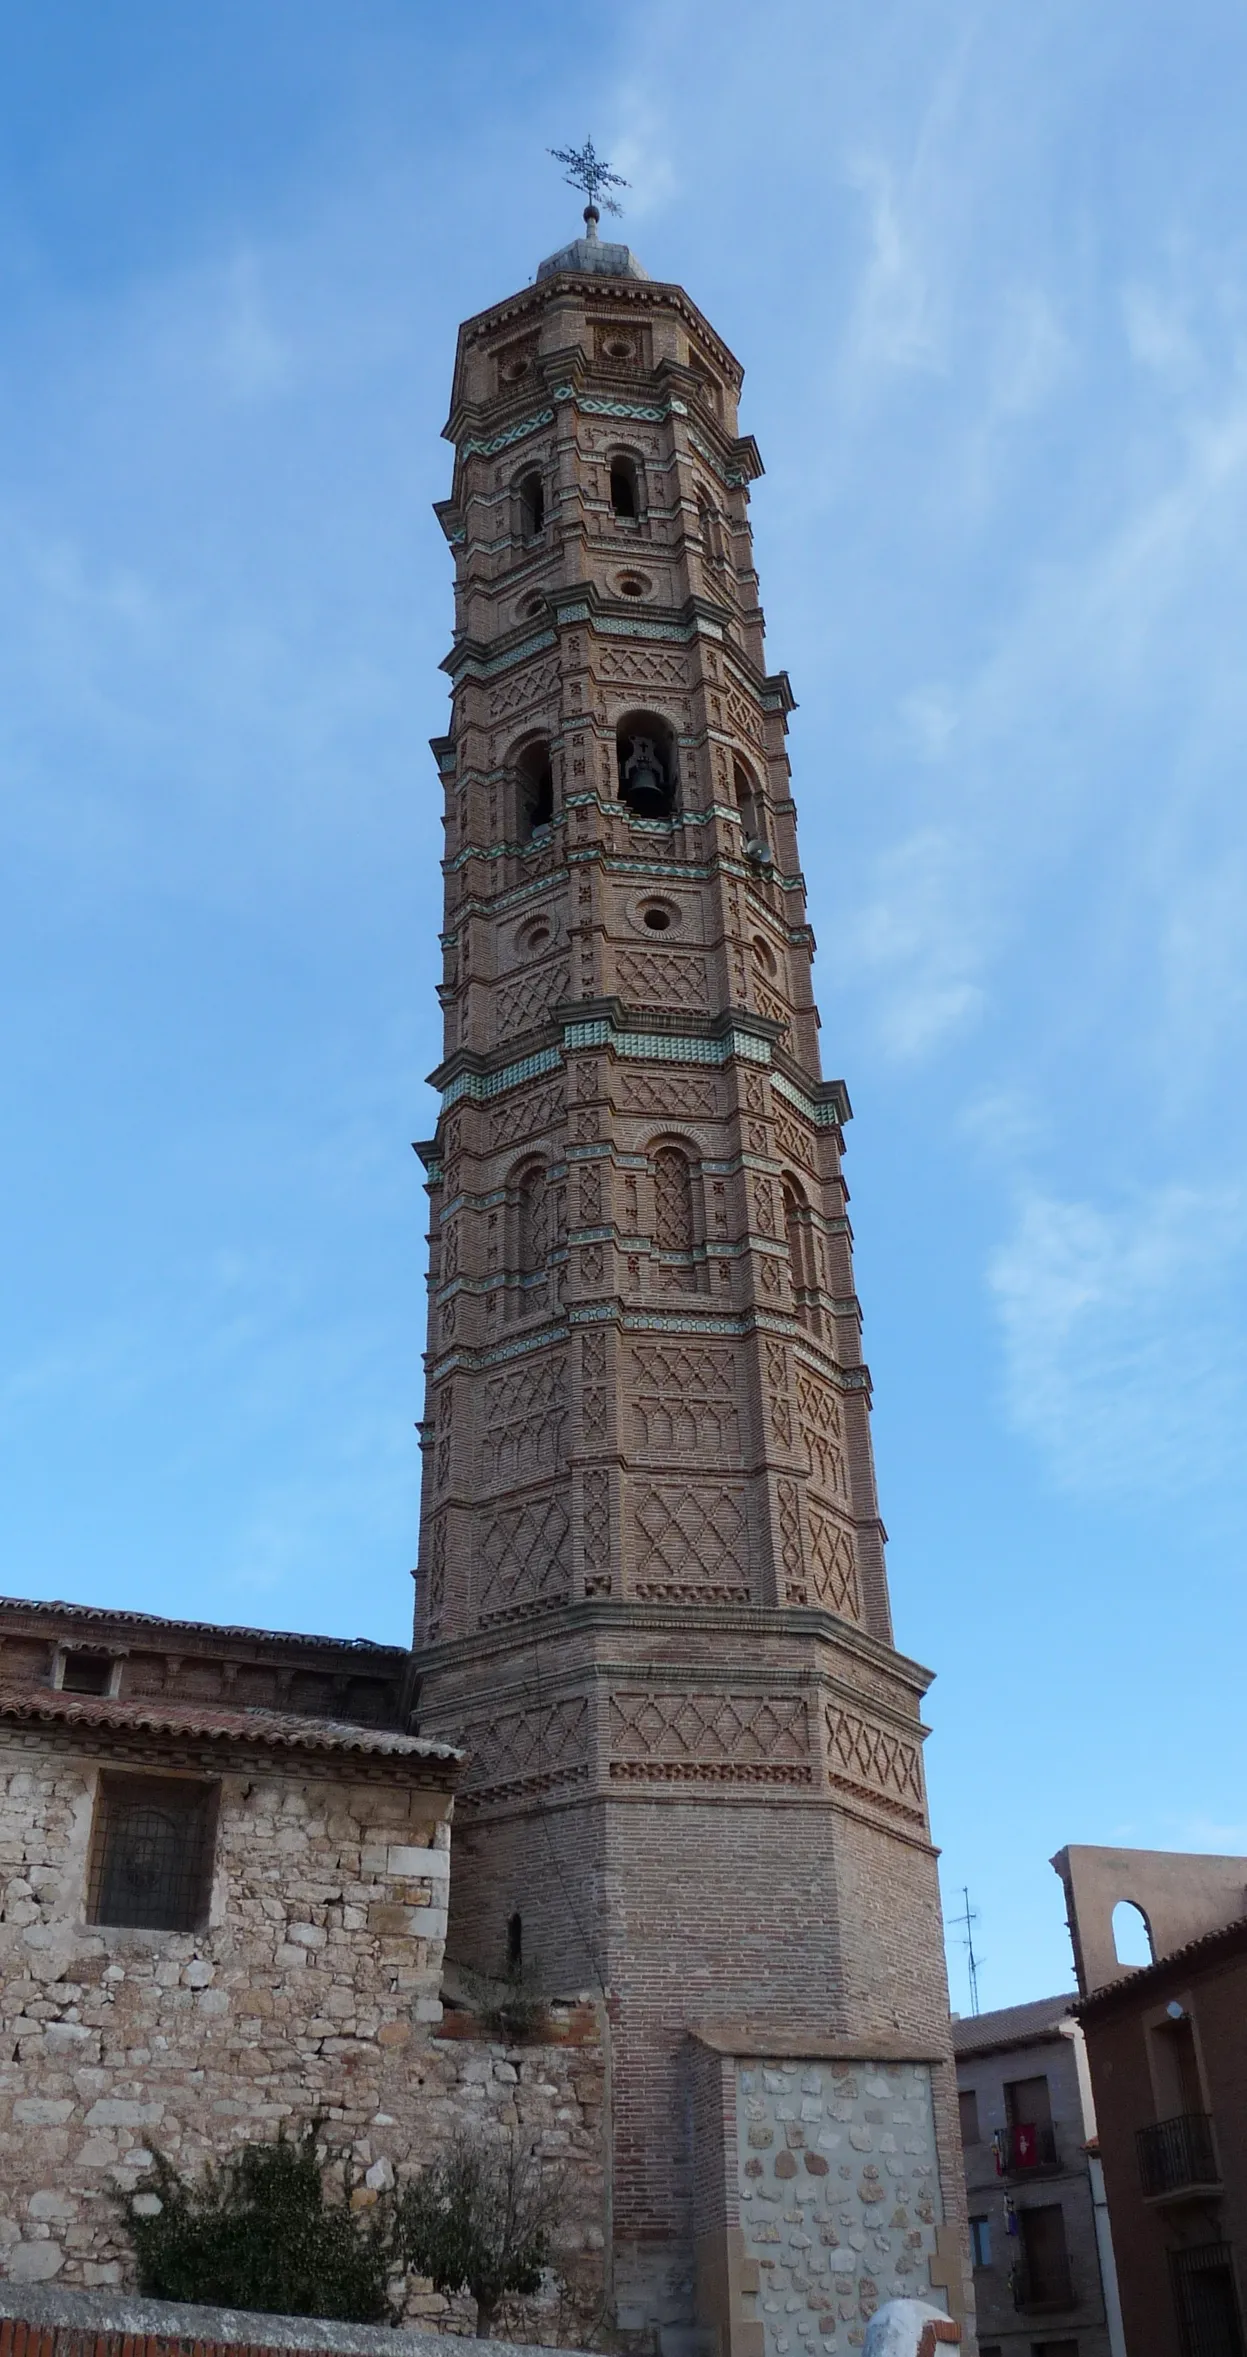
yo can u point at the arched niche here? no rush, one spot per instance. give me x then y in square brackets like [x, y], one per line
[646, 764]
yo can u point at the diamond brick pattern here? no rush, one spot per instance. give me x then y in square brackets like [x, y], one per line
[745, 1728]
[689, 1533]
[532, 1749]
[833, 1566]
[874, 1756]
[671, 978]
[538, 683]
[525, 1411]
[524, 1557]
[528, 999]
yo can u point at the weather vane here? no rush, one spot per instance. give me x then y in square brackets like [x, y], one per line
[587, 172]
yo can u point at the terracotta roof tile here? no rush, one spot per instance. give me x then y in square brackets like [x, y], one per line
[1198, 1951]
[100, 1615]
[1011, 2025]
[217, 1722]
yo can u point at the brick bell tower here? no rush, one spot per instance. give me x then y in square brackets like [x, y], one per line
[651, 1594]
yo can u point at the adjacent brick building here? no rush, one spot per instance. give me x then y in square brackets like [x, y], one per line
[1044, 2275]
[652, 1603]
[1167, 2051]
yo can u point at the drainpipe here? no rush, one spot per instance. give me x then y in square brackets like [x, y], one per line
[1073, 2030]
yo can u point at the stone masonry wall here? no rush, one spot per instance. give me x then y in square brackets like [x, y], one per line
[312, 1989]
[839, 2195]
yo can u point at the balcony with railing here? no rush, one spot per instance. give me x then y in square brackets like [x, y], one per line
[1049, 2287]
[1024, 2147]
[1176, 2157]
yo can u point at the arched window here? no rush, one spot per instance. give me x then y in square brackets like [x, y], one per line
[645, 756]
[749, 804]
[802, 1269]
[711, 529]
[625, 488]
[1132, 1934]
[532, 1220]
[534, 783]
[531, 492]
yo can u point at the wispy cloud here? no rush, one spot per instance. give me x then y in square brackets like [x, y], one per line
[1124, 1346]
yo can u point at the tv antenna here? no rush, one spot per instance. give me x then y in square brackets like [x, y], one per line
[969, 1917]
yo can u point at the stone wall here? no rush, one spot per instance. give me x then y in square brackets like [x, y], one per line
[819, 2197]
[839, 2194]
[312, 1989]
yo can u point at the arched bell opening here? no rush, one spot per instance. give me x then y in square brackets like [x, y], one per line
[749, 803]
[645, 756]
[625, 479]
[534, 788]
[530, 493]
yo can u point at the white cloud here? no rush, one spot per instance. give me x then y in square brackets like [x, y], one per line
[919, 938]
[1124, 1354]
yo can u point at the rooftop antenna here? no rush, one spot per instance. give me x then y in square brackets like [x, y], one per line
[969, 1917]
[592, 175]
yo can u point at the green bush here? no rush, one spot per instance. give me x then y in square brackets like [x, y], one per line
[258, 2232]
[478, 2220]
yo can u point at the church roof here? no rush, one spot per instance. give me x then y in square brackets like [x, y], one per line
[103, 1616]
[279, 1730]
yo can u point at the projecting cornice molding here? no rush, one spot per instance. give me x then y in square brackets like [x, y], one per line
[609, 1023]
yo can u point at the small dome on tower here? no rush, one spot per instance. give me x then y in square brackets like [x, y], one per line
[590, 253]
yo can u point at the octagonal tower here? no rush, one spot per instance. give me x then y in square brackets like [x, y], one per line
[651, 1595]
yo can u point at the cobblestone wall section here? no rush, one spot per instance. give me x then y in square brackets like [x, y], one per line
[839, 2195]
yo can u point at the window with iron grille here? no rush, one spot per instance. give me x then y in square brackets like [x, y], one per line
[1206, 2300]
[151, 1852]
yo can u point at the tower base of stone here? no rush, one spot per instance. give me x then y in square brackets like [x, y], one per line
[711, 1837]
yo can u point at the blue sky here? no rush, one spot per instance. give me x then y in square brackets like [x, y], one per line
[986, 268]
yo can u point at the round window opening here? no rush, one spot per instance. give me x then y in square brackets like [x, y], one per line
[512, 371]
[631, 585]
[658, 920]
[618, 347]
[534, 938]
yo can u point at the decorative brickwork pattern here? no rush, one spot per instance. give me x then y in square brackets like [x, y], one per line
[525, 1115]
[789, 1502]
[671, 978]
[692, 1541]
[527, 1000]
[525, 1410]
[871, 1759]
[709, 1738]
[684, 1402]
[822, 1430]
[650, 1092]
[537, 683]
[527, 1751]
[833, 1565]
[524, 1557]
[652, 667]
[597, 1514]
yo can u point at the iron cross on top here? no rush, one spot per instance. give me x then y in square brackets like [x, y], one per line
[587, 171]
